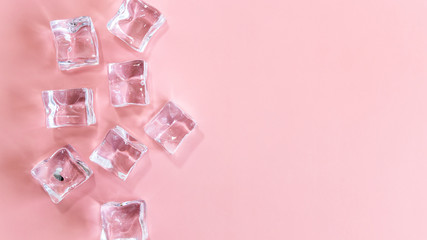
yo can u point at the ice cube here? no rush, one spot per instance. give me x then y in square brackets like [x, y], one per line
[135, 23]
[61, 173]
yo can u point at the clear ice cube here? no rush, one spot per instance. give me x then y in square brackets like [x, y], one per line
[170, 126]
[128, 83]
[118, 153]
[124, 221]
[61, 173]
[76, 42]
[69, 107]
[135, 23]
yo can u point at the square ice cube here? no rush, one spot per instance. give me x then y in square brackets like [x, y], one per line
[124, 221]
[170, 126]
[135, 23]
[69, 107]
[118, 153]
[76, 42]
[128, 83]
[61, 173]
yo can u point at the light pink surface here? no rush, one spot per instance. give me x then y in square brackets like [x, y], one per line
[312, 121]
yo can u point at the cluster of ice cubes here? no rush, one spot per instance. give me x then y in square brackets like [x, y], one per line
[76, 45]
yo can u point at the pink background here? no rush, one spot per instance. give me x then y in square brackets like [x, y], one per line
[312, 120]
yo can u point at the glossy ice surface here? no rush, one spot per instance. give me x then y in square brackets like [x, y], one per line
[69, 107]
[119, 152]
[61, 173]
[170, 126]
[76, 42]
[135, 23]
[123, 221]
[128, 83]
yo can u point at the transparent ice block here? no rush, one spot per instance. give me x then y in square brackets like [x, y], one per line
[61, 173]
[69, 107]
[170, 126]
[124, 221]
[76, 42]
[128, 83]
[118, 153]
[135, 23]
